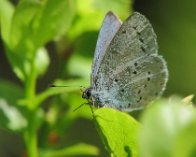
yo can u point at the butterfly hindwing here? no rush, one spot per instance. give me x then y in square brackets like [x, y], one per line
[137, 84]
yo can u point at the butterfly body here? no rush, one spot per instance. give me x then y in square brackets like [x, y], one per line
[127, 72]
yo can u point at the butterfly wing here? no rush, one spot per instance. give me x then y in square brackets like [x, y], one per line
[105, 36]
[131, 73]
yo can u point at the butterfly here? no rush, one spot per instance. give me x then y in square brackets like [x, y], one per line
[127, 72]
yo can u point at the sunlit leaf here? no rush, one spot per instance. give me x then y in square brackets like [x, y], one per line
[6, 12]
[119, 132]
[41, 60]
[121, 7]
[91, 14]
[33, 25]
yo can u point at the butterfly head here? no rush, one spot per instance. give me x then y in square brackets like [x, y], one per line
[87, 93]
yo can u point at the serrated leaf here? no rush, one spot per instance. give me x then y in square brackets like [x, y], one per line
[119, 132]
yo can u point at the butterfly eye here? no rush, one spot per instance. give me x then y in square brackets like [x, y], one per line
[88, 93]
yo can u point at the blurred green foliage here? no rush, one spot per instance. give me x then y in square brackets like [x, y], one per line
[52, 42]
[171, 132]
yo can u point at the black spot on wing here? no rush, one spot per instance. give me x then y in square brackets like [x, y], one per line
[143, 49]
[141, 40]
[138, 33]
[135, 72]
[116, 80]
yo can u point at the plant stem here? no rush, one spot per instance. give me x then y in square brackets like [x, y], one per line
[30, 134]
[30, 137]
[30, 85]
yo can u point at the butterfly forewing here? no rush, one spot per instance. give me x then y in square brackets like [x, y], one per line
[109, 28]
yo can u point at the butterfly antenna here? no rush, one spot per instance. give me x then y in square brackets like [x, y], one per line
[52, 85]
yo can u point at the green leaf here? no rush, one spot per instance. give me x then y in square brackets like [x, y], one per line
[40, 22]
[11, 115]
[6, 13]
[53, 20]
[21, 34]
[11, 92]
[78, 149]
[41, 60]
[34, 24]
[119, 132]
[166, 126]
[121, 7]
[185, 143]
[90, 14]
[21, 49]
